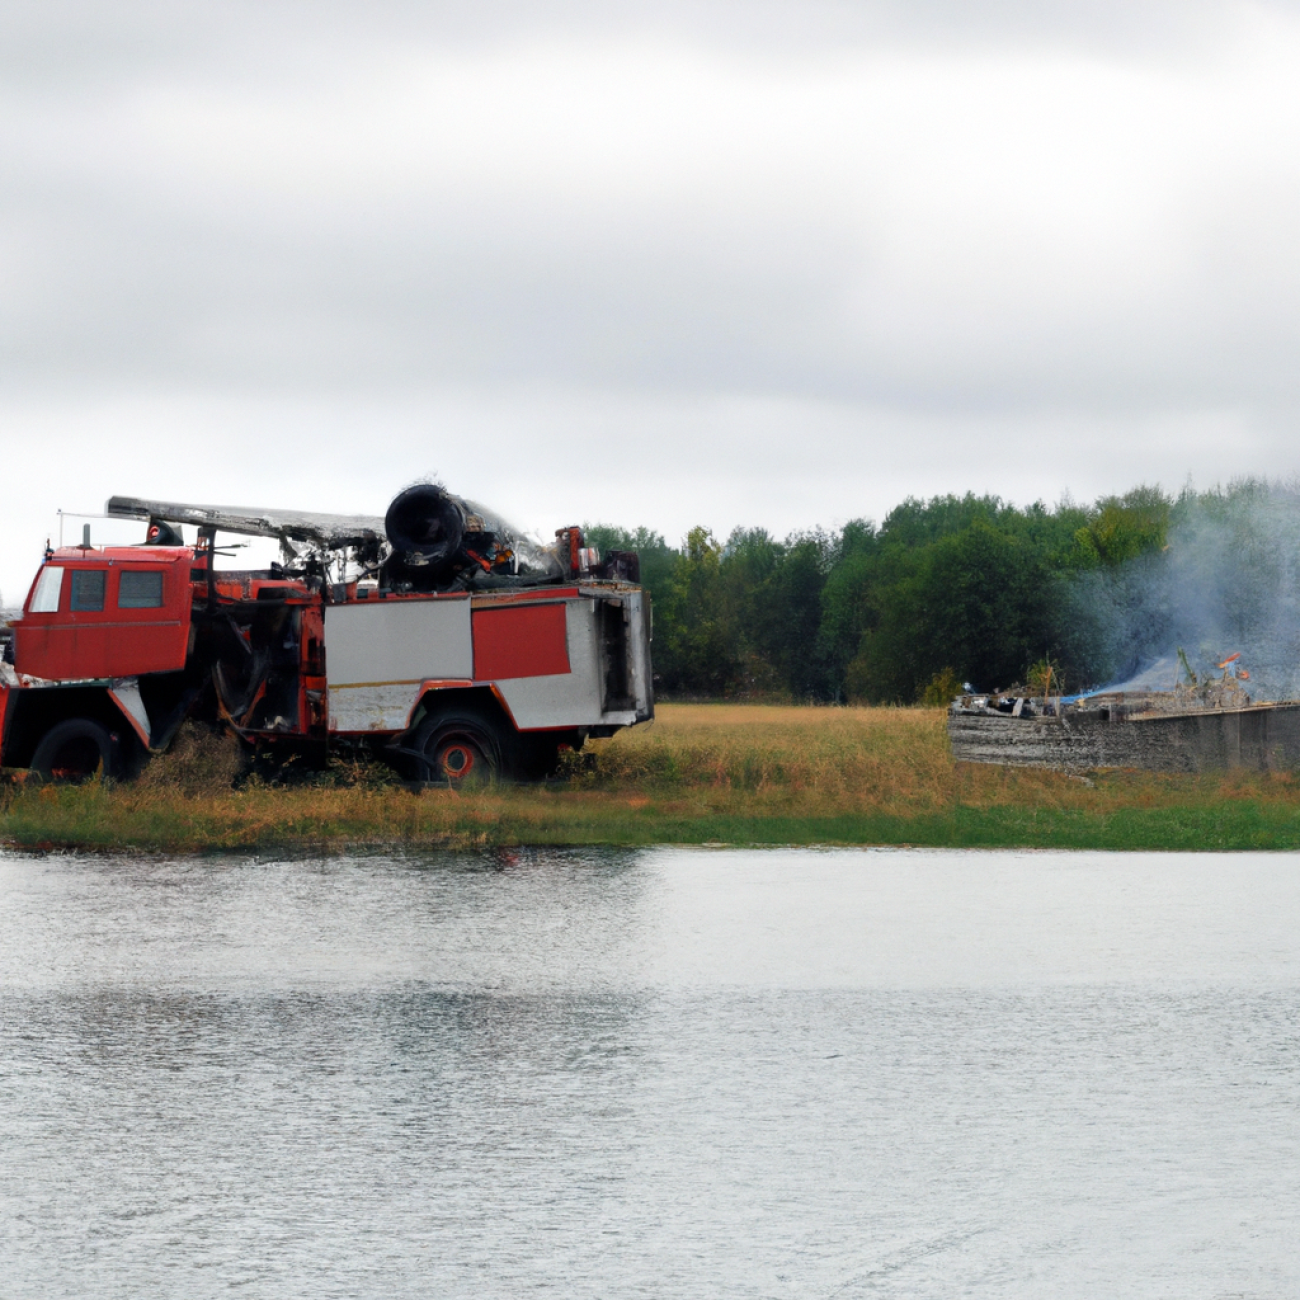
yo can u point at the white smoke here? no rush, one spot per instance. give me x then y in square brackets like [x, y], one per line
[1226, 583]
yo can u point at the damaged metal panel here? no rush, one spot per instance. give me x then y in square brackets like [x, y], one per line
[566, 699]
[125, 693]
[640, 685]
[295, 525]
[382, 707]
[378, 652]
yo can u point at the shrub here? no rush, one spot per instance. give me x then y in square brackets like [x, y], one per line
[199, 761]
[940, 689]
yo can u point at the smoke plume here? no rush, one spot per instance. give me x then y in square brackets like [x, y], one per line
[1226, 582]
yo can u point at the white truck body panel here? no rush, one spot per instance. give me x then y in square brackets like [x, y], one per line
[378, 652]
[380, 656]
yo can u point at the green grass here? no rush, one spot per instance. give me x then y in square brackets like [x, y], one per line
[701, 774]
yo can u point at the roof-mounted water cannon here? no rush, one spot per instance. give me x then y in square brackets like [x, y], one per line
[425, 526]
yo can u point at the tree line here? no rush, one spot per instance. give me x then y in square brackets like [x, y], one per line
[941, 592]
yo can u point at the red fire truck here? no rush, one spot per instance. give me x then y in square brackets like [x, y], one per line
[436, 637]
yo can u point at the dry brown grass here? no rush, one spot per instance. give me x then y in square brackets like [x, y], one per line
[886, 760]
[849, 756]
[758, 773]
[199, 762]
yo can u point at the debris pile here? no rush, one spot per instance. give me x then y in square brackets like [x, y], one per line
[1202, 722]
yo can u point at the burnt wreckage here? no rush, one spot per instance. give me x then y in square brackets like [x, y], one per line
[1197, 725]
[436, 637]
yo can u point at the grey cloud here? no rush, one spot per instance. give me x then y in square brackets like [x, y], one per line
[126, 265]
[54, 42]
[132, 298]
[110, 286]
[819, 303]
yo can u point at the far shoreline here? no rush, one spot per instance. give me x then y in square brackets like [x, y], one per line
[742, 775]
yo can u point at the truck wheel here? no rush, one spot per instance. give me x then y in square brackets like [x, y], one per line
[459, 749]
[75, 750]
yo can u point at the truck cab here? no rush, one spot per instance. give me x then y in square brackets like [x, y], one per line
[100, 614]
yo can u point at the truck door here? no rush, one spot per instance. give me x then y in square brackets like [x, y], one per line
[98, 618]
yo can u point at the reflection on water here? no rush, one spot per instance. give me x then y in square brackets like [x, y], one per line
[667, 1074]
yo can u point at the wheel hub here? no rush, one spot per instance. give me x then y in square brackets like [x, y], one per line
[457, 761]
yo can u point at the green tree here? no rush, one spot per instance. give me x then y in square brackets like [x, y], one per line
[975, 602]
[657, 557]
[848, 600]
[784, 616]
[697, 648]
[967, 584]
[1122, 528]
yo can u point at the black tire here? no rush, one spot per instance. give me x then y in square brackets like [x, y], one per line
[77, 750]
[459, 750]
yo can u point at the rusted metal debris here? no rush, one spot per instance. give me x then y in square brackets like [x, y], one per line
[1199, 725]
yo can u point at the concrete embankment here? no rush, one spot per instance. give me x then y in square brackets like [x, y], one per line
[1262, 737]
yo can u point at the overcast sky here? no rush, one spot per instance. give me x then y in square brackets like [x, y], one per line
[721, 263]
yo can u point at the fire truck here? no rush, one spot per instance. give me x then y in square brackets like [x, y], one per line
[435, 637]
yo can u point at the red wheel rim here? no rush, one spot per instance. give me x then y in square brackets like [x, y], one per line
[457, 761]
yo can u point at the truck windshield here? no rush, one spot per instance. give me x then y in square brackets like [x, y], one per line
[45, 599]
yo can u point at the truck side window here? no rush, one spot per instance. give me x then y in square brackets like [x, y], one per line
[140, 589]
[88, 589]
[45, 599]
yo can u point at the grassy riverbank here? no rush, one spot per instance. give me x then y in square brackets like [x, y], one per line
[737, 774]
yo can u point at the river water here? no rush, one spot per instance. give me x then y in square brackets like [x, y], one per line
[672, 1073]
